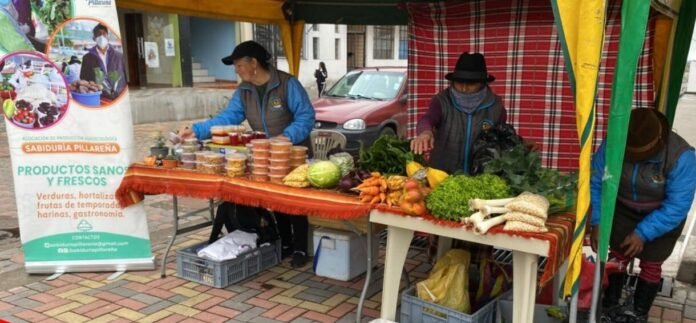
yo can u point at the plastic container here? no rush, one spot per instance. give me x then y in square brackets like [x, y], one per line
[259, 134]
[299, 152]
[261, 153]
[281, 146]
[259, 178]
[200, 155]
[280, 155]
[211, 168]
[261, 143]
[236, 160]
[340, 255]
[280, 162]
[188, 164]
[217, 130]
[214, 158]
[186, 156]
[235, 171]
[504, 311]
[261, 162]
[235, 140]
[413, 309]
[89, 99]
[298, 161]
[278, 171]
[229, 128]
[191, 141]
[276, 178]
[189, 148]
[221, 140]
[221, 274]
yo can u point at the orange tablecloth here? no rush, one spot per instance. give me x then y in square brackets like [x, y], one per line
[140, 179]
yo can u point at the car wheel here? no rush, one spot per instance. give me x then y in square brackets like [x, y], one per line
[387, 131]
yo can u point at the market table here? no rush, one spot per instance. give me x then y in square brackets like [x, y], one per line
[141, 179]
[526, 249]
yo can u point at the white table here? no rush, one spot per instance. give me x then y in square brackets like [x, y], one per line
[525, 253]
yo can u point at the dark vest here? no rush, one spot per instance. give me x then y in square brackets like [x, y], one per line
[455, 136]
[642, 190]
[271, 115]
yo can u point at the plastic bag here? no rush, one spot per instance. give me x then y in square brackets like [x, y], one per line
[448, 283]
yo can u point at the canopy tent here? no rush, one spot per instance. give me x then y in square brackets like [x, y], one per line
[669, 50]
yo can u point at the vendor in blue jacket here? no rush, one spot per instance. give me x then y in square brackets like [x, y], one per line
[656, 189]
[274, 102]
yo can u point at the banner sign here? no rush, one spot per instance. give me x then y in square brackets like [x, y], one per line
[67, 113]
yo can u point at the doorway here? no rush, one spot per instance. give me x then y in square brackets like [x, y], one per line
[356, 47]
[134, 41]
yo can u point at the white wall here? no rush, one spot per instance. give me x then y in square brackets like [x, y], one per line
[369, 45]
[691, 81]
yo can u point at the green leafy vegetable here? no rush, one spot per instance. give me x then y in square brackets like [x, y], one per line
[522, 170]
[53, 12]
[387, 155]
[450, 199]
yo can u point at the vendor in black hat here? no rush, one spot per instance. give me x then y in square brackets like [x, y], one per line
[277, 104]
[656, 189]
[458, 114]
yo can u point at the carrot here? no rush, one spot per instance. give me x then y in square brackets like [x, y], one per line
[375, 199]
[383, 183]
[382, 197]
[366, 198]
[370, 190]
[373, 181]
[375, 174]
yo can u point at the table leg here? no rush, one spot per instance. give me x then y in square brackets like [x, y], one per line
[443, 245]
[398, 242]
[211, 208]
[524, 285]
[175, 213]
[368, 275]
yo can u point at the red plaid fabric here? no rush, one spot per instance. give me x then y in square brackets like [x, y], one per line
[522, 48]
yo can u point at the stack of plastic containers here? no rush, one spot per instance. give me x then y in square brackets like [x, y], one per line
[298, 156]
[219, 135]
[236, 164]
[260, 154]
[280, 159]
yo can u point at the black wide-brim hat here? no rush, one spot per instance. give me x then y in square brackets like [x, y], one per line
[248, 48]
[648, 131]
[470, 68]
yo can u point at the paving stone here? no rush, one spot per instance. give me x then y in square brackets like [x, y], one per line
[13, 319]
[21, 295]
[262, 319]
[249, 293]
[156, 307]
[125, 292]
[319, 292]
[314, 284]
[692, 295]
[239, 306]
[310, 297]
[145, 298]
[178, 299]
[690, 312]
[667, 304]
[250, 314]
[298, 279]
[345, 290]
[304, 320]
[39, 286]
[26, 303]
[671, 315]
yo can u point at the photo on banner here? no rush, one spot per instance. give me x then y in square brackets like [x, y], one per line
[25, 25]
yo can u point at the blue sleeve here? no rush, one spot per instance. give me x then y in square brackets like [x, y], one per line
[596, 184]
[233, 114]
[302, 112]
[679, 194]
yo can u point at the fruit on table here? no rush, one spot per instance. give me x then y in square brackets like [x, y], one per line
[8, 106]
[412, 167]
[435, 176]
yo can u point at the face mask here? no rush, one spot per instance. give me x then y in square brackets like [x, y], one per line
[102, 42]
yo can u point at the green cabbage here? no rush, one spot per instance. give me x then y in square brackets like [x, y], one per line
[324, 174]
[344, 161]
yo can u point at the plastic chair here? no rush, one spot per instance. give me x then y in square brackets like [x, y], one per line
[325, 140]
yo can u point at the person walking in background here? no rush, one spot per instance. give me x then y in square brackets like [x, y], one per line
[320, 74]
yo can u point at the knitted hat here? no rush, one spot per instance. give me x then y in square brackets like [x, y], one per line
[648, 131]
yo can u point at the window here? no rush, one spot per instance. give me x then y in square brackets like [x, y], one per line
[403, 42]
[269, 37]
[383, 42]
[337, 29]
[315, 48]
[315, 27]
[337, 48]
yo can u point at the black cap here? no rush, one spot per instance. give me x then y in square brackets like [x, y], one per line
[248, 48]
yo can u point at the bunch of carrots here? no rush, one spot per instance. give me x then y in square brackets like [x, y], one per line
[373, 189]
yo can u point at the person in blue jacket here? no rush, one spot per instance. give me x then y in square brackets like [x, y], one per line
[656, 190]
[275, 103]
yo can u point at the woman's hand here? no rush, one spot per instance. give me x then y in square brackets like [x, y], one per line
[632, 245]
[423, 143]
[185, 132]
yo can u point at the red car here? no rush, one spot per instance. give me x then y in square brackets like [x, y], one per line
[364, 104]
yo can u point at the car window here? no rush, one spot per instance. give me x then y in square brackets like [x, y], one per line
[376, 85]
